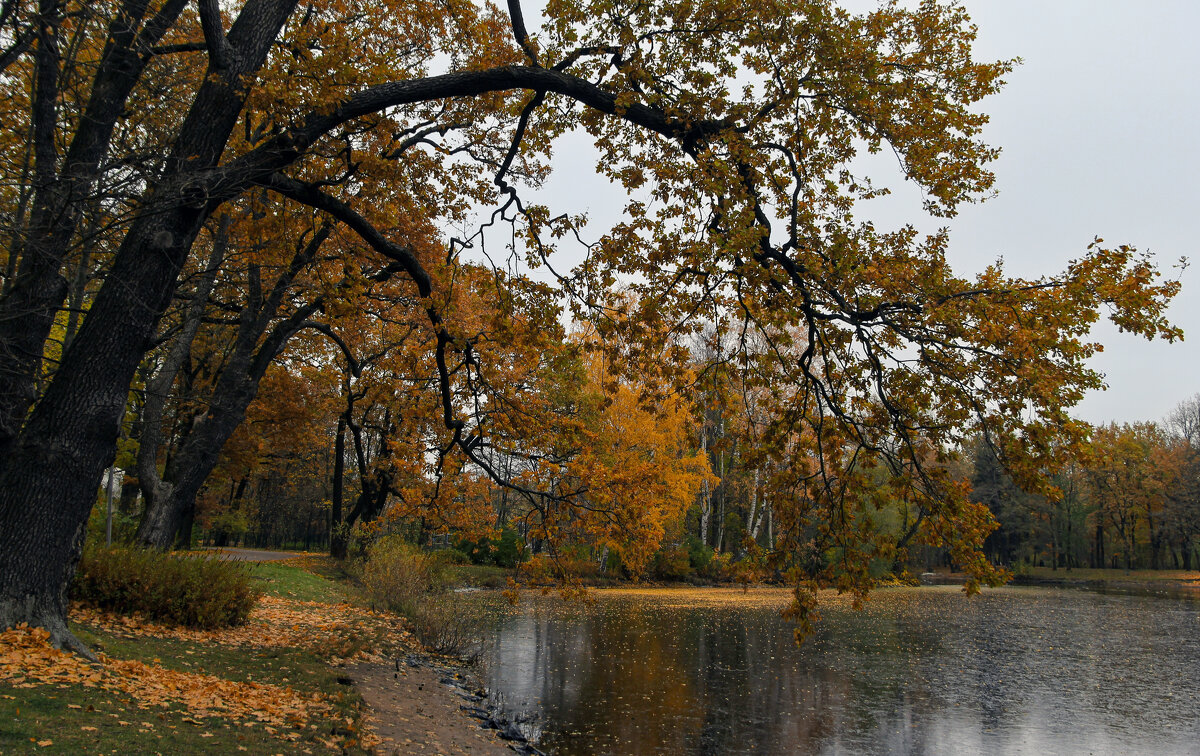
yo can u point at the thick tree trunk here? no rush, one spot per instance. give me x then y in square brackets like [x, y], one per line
[50, 476]
[33, 590]
[171, 500]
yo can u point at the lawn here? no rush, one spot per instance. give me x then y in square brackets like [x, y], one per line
[270, 686]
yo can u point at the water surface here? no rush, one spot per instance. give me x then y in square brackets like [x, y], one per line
[923, 670]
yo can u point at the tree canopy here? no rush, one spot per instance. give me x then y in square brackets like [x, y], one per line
[363, 152]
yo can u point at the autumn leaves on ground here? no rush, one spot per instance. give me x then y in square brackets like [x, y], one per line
[268, 686]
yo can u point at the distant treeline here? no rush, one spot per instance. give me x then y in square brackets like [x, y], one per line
[1132, 502]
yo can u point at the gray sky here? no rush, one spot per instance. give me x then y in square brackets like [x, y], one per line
[1098, 128]
[1097, 131]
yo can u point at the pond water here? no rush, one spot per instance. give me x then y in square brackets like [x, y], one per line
[922, 670]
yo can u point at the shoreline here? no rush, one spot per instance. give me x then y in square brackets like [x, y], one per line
[420, 703]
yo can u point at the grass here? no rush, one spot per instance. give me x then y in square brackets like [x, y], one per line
[75, 719]
[78, 720]
[320, 579]
[1117, 575]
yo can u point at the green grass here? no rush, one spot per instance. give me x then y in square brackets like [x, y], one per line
[292, 581]
[60, 713]
[276, 666]
[30, 715]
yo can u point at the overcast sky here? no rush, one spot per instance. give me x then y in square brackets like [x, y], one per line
[1098, 131]
[1098, 128]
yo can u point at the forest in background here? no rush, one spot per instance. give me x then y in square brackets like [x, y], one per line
[331, 456]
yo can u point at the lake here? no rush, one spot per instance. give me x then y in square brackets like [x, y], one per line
[918, 670]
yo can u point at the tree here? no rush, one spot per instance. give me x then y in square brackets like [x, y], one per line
[1181, 511]
[240, 352]
[1130, 470]
[733, 125]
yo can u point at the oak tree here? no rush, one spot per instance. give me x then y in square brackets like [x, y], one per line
[733, 125]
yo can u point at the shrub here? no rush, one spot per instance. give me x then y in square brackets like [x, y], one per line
[397, 574]
[402, 578]
[506, 551]
[700, 555]
[448, 624]
[672, 563]
[191, 591]
[451, 556]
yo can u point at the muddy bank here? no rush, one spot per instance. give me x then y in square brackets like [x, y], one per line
[422, 704]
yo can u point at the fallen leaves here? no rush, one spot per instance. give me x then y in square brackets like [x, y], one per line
[26, 655]
[339, 631]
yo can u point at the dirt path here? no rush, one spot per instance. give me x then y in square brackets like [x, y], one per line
[414, 713]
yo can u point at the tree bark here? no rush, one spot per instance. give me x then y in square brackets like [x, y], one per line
[338, 541]
[169, 500]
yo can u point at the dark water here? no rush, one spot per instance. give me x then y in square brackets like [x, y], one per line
[1013, 671]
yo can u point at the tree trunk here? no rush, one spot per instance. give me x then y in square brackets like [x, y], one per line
[752, 522]
[127, 502]
[706, 501]
[70, 438]
[52, 470]
[34, 591]
[338, 542]
[170, 501]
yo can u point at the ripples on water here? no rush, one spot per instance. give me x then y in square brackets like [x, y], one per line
[715, 671]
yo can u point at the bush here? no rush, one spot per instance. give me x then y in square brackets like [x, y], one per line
[448, 624]
[451, 556]
[397, 575]
[191, 591]
[404, 579]
[672, 563]
[700, 555]
[505, 551]
[508, 550]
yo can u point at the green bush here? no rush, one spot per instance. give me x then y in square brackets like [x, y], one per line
[191, 591]
[397, 575]
[405, 579]
[700, 555]
[508, 549]
[505, 551]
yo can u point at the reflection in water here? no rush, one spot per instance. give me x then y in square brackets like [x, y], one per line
[1016, 670]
